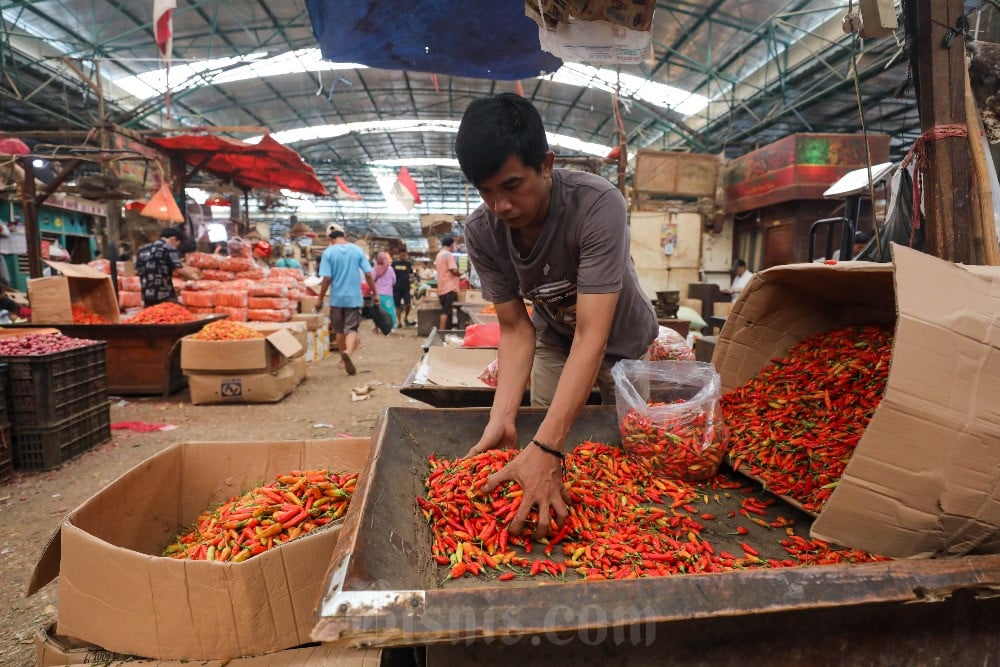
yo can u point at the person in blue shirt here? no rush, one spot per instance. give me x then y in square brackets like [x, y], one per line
[341, 267]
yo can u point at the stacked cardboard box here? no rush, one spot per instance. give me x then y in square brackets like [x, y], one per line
[263, 370]
[317, 333]
[137, 603]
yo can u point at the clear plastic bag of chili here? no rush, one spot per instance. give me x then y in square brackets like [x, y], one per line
[668, 411]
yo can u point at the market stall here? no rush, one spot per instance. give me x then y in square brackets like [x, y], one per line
[143, 359]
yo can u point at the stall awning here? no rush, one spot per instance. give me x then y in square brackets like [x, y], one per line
[267, 165]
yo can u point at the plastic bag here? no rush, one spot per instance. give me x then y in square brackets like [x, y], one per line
[669, 411]
[490, 374]
[482, 335]
[670, 346]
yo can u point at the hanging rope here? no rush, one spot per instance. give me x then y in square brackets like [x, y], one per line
[918, 155]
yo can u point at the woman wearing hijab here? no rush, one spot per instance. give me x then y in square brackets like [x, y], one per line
[385, 278]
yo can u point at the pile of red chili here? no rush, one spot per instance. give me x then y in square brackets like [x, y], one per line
[162, 313]
[627, 520]
[83, 315]
[227, 330]
[796, 424]
[266, 517]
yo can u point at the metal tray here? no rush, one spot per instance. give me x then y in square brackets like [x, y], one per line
[383, 589]
[436, 338]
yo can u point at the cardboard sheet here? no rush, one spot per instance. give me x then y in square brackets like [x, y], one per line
[457, 367]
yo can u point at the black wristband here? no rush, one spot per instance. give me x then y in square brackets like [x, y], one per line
[550, 450]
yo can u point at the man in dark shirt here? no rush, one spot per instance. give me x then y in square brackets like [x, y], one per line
[156, 263]
[401, 289]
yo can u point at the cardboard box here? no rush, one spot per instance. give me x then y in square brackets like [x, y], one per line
[298, 329]
[472, 296]
[214, 388]
[115, 592]
[54, 650]
[923, 479]
[52, 298]
[312, 320]
[307, 305]
[247, 356]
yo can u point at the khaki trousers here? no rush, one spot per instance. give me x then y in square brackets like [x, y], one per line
[546, 371]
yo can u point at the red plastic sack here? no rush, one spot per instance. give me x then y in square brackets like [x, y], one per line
[268, 315]
[482, 335]
[231, 298]
[235, 314]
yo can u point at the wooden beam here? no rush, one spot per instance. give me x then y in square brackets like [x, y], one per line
[938, 64]
[57, 181]
[32, 236]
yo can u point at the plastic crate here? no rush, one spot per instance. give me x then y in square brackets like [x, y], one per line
[4, 383]
[6, 454]
[47, 389]
[47, 448]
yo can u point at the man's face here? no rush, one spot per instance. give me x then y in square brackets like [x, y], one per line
[173, 242]
[740, 270]
[517, 194]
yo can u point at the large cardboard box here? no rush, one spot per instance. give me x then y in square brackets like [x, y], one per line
[923, 480]
[52, 298]
[116, 592]
[298, 329]
[215, 388]
[258, 355]
[54, 650]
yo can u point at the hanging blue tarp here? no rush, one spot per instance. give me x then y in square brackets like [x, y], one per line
[483, 40]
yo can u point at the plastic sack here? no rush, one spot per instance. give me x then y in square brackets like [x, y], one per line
[490, 374]
[669, 412]
[381, 318]
[482, 335]
[670, 346]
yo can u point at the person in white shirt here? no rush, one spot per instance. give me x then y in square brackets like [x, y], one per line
[741, 278]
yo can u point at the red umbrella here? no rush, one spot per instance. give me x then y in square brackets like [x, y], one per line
[13, 146]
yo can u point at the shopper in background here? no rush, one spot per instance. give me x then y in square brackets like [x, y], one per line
[341, 267]
[156, 263]
[741, 277]
[561, 239]
[288, 260]
[385, 281]
[402, 298]
[447, 281]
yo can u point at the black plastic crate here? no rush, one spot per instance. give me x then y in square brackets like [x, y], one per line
[6, 454]
[47, 448]
[47, 389]
[4, 384]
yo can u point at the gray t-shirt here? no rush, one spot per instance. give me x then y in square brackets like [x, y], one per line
[584, 247]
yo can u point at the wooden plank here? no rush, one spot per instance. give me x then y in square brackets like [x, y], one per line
[939, 72]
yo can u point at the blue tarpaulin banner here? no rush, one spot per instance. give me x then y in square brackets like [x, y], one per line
[482, 40]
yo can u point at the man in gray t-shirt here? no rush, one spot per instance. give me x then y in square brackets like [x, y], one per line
[559, 239]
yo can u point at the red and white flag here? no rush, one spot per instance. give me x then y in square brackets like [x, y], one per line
[346, 191]
[405, 189]
[163, 32]
[163, 26]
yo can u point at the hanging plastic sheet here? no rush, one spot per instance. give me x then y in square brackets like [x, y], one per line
[482, 40]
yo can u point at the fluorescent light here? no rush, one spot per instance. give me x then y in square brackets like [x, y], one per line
[631, 87]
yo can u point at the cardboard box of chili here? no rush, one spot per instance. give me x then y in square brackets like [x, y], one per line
[923, 480]
[117, 592]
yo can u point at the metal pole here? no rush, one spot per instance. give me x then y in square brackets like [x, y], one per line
[32, 235]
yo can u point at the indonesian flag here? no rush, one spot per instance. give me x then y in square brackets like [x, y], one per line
[346, 191]
[163, 26]
[405, 189]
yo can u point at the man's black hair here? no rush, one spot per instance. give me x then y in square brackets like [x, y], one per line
[171, 233]
[447, 241]
[495, 128]
[738, 263]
